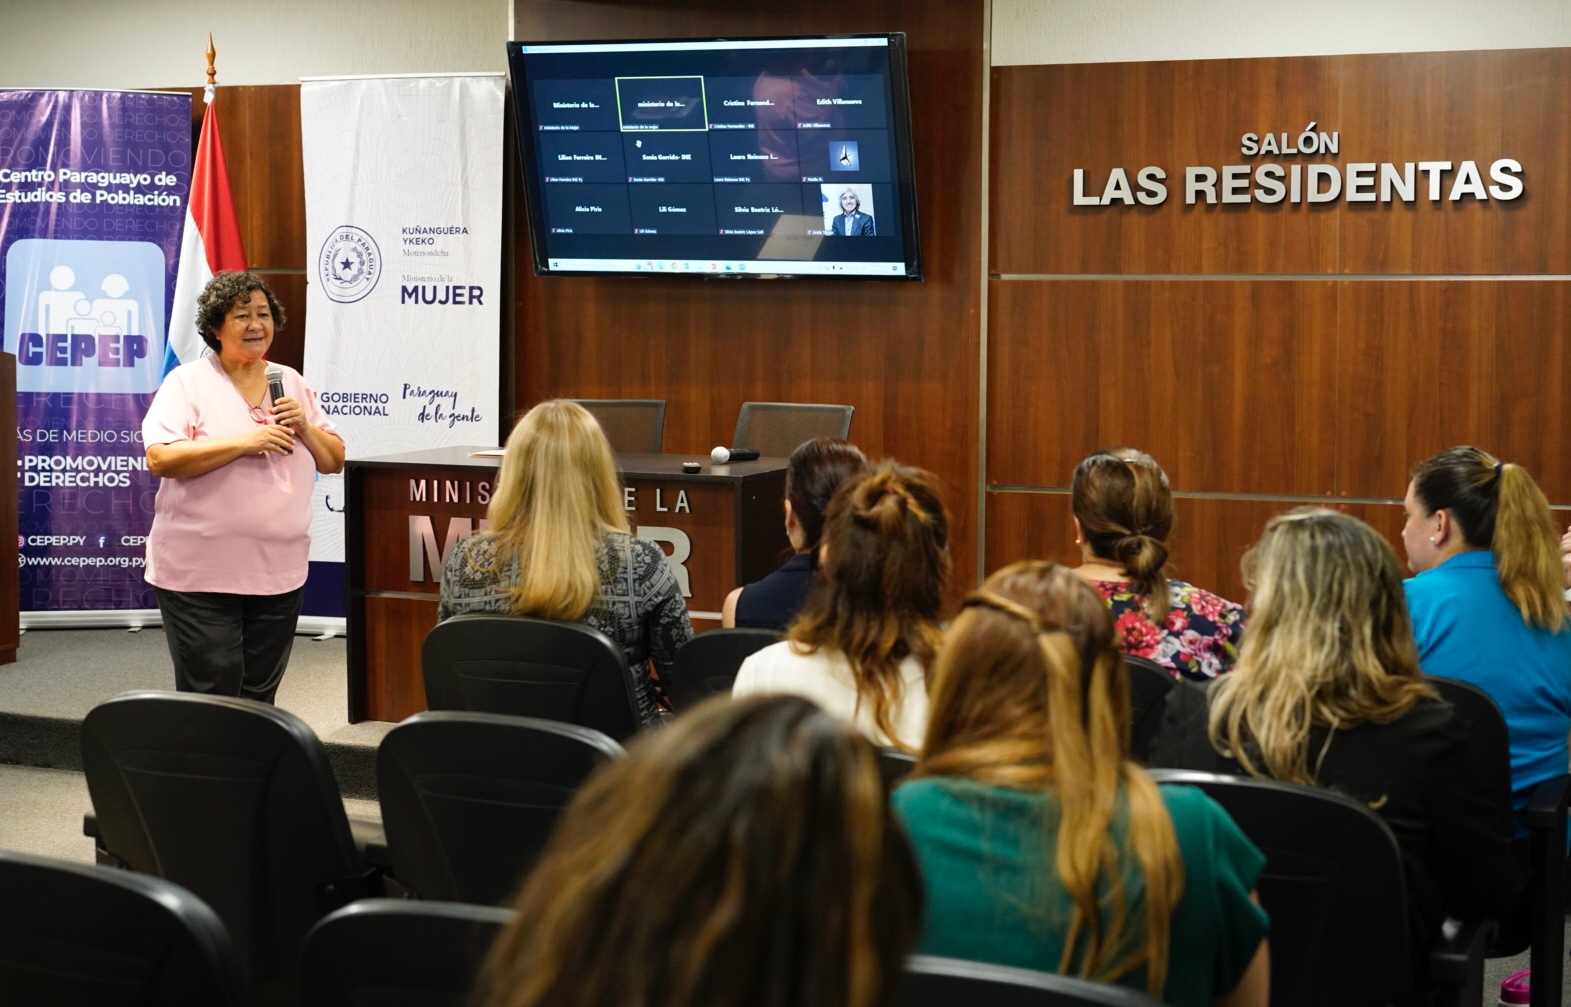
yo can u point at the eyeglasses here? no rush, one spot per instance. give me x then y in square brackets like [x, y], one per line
[259, 416]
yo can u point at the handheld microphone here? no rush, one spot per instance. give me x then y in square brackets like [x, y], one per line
[722, 455]
[275, 388]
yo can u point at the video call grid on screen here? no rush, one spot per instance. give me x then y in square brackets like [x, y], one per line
[697, 151]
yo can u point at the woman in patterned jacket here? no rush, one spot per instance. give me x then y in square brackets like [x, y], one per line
[558, 546]
[1123, 513]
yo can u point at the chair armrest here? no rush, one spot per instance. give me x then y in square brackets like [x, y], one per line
[371, 843]
[1547, 805]
[90, 826]
[1456, 961]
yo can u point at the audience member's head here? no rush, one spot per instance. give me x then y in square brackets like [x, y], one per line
[884, 567]
[556, 496]
[1124, 509]
[816, 469]
[1464, 498]
[745, 855]
[1330, 643]
[1030, 692]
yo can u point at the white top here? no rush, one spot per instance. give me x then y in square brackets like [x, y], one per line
[824, 676]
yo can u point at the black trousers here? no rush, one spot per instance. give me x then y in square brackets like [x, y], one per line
[230, 644]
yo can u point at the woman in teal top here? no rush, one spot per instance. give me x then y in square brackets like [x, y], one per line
[1488, 602]
[1042, 844]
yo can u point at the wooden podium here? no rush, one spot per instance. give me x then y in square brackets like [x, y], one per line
[720, 528]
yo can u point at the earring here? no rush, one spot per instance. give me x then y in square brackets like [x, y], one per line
[1077, 540]
[1431, 540]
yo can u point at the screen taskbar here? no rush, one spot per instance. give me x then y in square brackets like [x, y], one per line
[766, 267]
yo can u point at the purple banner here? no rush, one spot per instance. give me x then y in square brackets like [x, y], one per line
[93, 188]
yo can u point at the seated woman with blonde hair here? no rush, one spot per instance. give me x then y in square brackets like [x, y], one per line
[1123, 515]
[869, 629]
[742, 856]
[1042, 844]
[1327, 692]
[555, 545]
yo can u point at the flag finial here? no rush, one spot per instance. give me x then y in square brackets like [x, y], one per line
[212, 72]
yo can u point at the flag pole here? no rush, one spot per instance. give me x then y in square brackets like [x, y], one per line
[212, 73]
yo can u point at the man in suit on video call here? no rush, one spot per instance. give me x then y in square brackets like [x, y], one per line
[852, 221]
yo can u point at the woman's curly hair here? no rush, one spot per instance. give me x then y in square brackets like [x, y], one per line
[222, 293]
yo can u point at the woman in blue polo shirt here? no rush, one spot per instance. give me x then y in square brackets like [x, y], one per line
[1488, 599]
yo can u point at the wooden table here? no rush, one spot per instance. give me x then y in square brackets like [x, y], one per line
[719, 528]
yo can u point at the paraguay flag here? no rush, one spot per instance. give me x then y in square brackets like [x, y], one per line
[210, 245]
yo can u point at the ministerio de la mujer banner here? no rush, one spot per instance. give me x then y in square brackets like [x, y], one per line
[403, 219]
[93, 186]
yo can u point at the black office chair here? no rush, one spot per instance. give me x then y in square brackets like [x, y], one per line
[469, 799]
[633, 426]
[76, 934]
[1537, 922]
[398, 952]
[894, 766]
[530, 668]
[707, 664]
[1149, 684]
[777, 428]
[1336, 892]
[944, 982]
[233, 800]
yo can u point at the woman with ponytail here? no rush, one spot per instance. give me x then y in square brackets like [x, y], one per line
[1488, 599]
[1042, 844]
[1327, 692]
[1123, 514]
[863, 642]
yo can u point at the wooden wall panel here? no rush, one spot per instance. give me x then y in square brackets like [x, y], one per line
[1049, 120]
[1456, 106]
[906, 355]
[1229, 384]
[1426, 366]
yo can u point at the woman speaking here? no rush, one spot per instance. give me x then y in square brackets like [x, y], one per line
[230, 542]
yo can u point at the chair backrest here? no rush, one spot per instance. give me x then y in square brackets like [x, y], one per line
[395, 951]
[943, 982]
[777, 428]
[78, 934]
[633, 426]
[469, 799]
[1333, 885]
[707, 664]
[1149, 684]
[894, 766]
[231, 799]
[530, 668]
[1486, 727]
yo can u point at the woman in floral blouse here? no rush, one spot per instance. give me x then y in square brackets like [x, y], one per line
[1123, 513]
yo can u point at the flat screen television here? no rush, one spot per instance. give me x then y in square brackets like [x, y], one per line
[752, 157]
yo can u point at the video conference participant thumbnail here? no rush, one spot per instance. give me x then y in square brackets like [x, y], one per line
[853, 209]
[845, 155]
[754, 156]
[574, 106]
[847, 101]
[755, 209]
[666, 157]
[746, 103]
[657, 104]
[582, 157]
[672, 209]
[587, 209]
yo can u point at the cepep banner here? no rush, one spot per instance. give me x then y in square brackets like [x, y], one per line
[403, 188]
[93, 187]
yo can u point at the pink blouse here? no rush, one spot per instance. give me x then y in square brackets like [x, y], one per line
[244, 527]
